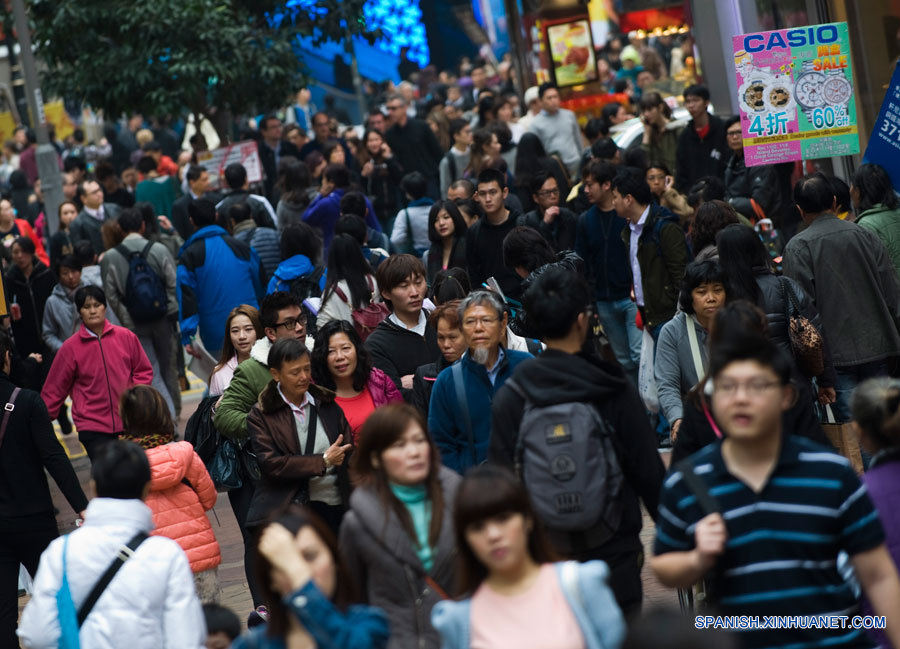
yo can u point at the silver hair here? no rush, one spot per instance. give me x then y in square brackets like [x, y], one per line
[481, 298]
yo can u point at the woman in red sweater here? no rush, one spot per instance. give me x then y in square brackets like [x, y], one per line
[95, 365]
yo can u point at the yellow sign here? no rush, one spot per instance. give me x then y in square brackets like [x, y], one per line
[56, 114]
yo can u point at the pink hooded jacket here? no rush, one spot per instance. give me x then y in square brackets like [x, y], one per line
[179, 510]
[96, 371]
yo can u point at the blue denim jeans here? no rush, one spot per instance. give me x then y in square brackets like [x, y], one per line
[848, 377]
[617, 318]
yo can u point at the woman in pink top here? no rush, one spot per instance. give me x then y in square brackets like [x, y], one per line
[242, 329]
[519, 597]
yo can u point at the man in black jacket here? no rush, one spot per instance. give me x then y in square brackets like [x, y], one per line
[414, 144]
[404, 340]
[557, 302]
[271, 150]
[239, 192]
[556, 224]
[198, 185]
[27, 521]
[702, 150]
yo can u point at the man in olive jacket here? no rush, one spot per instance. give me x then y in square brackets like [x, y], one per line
[657, 249]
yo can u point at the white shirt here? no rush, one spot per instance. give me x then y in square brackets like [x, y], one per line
[636, 229]
[97, 214]
[420, 326]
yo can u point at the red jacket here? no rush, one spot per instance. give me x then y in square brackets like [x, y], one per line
[179, 510]
[96, 371]
[25, 230]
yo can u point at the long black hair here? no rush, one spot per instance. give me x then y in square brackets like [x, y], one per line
[319, 356]
[530, 159]
[874, 187]
[742, 256]
[346, 262]
[459, 223]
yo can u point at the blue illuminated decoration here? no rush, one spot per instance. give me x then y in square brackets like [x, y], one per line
[400, 22]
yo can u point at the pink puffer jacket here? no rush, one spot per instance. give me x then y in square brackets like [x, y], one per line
[179, 510]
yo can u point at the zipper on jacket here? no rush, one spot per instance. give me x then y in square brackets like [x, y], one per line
[112, 413]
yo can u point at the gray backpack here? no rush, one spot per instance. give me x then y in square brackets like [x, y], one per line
[566, 458]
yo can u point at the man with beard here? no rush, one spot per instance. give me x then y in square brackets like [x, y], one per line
[459, 416]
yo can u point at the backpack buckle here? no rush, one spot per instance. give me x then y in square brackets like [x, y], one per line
[9, 407]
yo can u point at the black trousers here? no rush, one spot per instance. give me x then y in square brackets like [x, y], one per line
[93, 442]
[624, 577]
[331, 514]
[240, 505]
[17, 547]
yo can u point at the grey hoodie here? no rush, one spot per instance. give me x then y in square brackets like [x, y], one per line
[675, 373]
[61, 317]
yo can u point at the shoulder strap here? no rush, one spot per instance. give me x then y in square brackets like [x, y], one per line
[7, 410]
[792, 296]
[124, 554]
[462, 403]
[146, 250]
[311, 431]
[123, 250]
[520, 447]
[451, 165]
[697, 486]
[690, 322]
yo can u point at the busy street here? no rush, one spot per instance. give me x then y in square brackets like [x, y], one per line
[451, 324]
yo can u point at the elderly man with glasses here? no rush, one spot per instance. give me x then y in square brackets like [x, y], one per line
[459, 416]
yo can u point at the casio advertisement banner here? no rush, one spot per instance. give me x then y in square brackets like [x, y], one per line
[795, 92]
[884, 145]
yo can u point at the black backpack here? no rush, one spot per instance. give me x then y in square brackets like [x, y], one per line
[201, 432]
[308, 285]
[145, 292]
[566, 457]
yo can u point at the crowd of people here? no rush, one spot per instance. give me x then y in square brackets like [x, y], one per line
[448, 354]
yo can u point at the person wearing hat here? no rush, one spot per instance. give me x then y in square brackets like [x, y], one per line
[533, 103]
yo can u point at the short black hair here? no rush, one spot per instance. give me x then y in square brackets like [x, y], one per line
[553, 302]
[26, 244]
[263, 123]
[272, 304]
[696, 90]
[662, 166]
[414, 185]
[630, 180]
[74, 162]
[708, 188]
[202, 213]
[240, 212]
[338, 175]
[602, 171]
[544, 87]
[353, 226]
[731, 121]
[595, 127]
[194, 172]
[235, 175]
[84, 251]
[397, 269]
[491, 175]
[736, 344]
[842, 196]
[146, 165]
[86, 291]
[69, 261]
[450, 284]
[695, 274]
[538, 180]
[604, 148]
[285, 351]
[152, 145]
[131, 220]
[526, 248]
[120, 470]
[456, 125]
[221, 620]
[354, 203]
[813, 194]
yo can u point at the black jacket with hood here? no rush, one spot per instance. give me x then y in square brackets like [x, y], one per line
[558, 377]
[397, 351]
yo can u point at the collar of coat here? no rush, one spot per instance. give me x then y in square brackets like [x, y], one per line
[270, 401]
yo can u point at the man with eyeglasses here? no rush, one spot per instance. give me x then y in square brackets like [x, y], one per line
[413, 142]
[88, 224]
[753, 191]
[556, 224]
[484, 239]
[459, 415]
[762, 514]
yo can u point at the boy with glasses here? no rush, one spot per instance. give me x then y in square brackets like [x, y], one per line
[763, 514]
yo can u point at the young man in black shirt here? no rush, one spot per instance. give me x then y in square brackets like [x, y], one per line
[484, 239]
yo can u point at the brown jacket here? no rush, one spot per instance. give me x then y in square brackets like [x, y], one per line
[285, 469]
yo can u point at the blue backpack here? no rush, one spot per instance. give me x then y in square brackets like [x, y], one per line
[145, 292]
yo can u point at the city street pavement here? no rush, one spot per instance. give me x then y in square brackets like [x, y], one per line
[233, 591]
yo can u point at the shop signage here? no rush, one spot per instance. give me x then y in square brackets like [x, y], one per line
[795, 92]
[884, 144]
